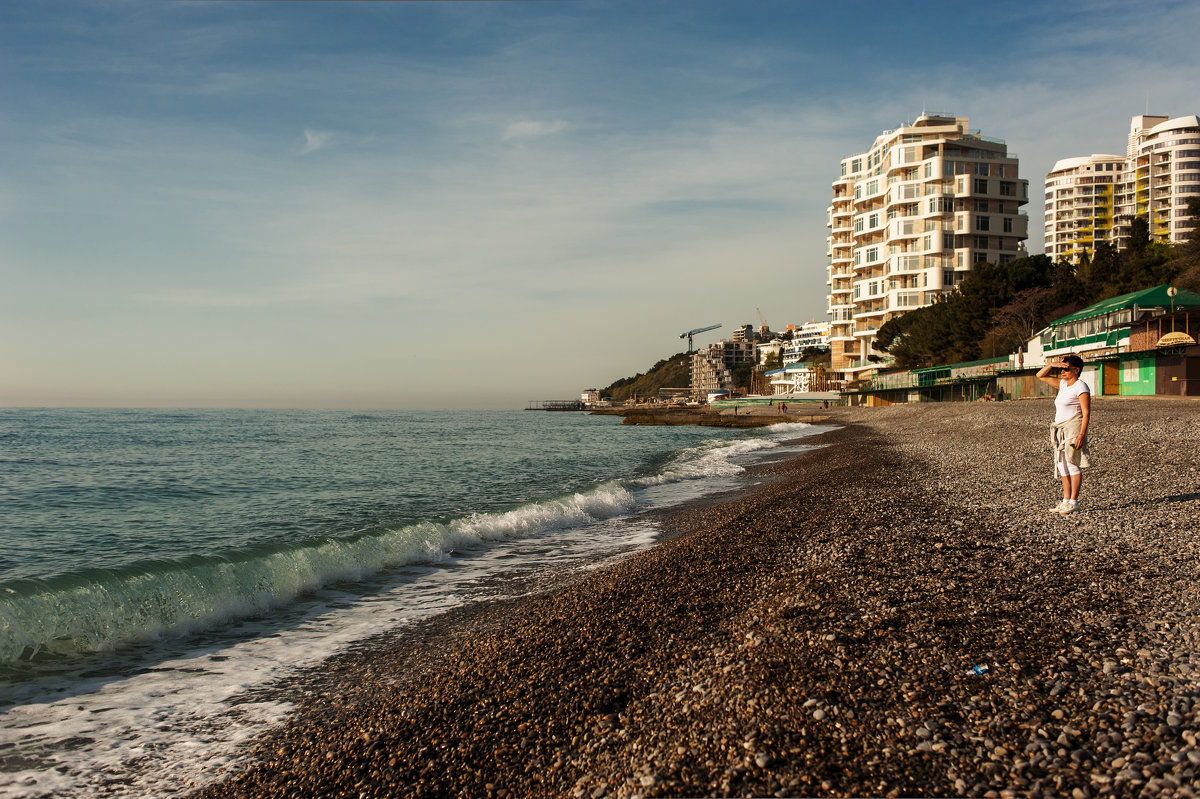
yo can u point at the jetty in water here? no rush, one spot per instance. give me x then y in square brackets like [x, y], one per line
[555, 405]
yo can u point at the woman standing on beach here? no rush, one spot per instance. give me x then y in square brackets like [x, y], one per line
[1068, 434]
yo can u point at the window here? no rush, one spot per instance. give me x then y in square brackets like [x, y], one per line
[874, 221]
[981, 242]
[929, 170]
[981, 205]
[858, 224]
[928, 243]
[983, 223]
[981, 169]
[1008, 224]
[947, 240]
[947, 277]
[980, 257]
[872, 254]
[843, 169]
[981, 186]
[856, 165]
[873, 187]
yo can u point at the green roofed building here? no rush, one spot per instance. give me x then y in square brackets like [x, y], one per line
[1103, 328]
[1123, 342]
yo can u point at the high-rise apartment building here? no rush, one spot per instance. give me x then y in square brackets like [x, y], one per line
[1079, 205]
[1162, 169]
[1096, 198]
[909, 218]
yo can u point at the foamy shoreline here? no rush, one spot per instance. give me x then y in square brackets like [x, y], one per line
[820, 636]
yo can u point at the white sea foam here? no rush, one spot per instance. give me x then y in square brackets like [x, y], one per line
[708, 460]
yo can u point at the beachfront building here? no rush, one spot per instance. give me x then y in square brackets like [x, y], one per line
[808, 336]
[798, 378]
[1079, 205]
[1162, 170]
[1140, 343]
[712, 366]
[909, 218]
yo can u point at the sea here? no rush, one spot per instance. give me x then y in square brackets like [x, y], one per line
[160, 570]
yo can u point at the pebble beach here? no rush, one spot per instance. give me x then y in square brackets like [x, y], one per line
[893, 614]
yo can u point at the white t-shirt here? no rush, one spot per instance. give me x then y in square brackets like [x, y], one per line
[1066, 403]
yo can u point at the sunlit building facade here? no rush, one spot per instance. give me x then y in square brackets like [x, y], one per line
[909, 219]
[1162, 170]
[1080, 211]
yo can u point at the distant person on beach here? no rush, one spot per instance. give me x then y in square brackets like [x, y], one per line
[1068, 434]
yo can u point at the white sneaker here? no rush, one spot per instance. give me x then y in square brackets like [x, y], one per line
[1061, 507]
[1071, 507]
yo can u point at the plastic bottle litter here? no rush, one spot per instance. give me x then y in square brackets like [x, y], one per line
[976, 671]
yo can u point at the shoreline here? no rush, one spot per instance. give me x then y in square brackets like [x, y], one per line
[816, 636]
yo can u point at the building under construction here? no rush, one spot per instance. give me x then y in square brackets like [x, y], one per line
[712, 366]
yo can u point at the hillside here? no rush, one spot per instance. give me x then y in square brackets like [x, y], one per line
[668, 373]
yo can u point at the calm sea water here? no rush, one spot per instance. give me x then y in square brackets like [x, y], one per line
[156, 567]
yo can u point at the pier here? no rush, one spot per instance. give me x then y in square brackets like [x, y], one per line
[555, 405]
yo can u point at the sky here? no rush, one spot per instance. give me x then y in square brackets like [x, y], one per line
[474, 205]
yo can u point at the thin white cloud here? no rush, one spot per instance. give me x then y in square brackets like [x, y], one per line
[315, 140]
[533, 129]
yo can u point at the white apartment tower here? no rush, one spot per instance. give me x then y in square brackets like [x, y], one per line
[1162, 170]
[909, 218]
[1080, 205]
[1096, 198]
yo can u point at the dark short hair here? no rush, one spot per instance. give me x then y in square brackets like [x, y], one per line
[1074, 361]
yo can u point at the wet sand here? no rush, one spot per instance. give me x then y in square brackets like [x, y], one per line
[818, 636]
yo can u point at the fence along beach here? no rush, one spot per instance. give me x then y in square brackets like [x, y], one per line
[893, 614]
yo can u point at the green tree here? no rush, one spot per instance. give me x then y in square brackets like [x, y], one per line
[1139, 235]
[954, 327]
[741, 375]
[1103, 270]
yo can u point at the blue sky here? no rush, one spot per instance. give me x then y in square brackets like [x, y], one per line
[475, 204]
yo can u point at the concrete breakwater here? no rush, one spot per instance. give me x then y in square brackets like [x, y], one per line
[755, 416]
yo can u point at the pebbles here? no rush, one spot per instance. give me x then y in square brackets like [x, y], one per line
[819, 637]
